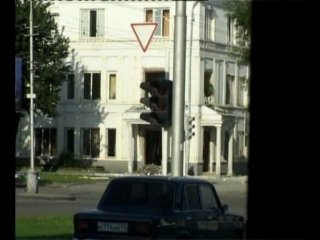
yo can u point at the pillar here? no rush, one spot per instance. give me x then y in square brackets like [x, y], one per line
[230, 153]
[164, 162]
[218, 151]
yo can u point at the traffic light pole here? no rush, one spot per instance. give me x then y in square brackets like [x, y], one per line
[178, 101]
[188, 92]
[32, 178]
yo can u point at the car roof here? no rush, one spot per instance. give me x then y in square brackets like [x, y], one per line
[168, 179]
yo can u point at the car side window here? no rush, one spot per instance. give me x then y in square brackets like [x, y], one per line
[192, 197]
[208, 199]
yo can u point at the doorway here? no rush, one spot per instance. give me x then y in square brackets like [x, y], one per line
[153, 147]
[206, 150]
[160, 75]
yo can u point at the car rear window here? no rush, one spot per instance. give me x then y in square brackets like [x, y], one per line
[155, 195]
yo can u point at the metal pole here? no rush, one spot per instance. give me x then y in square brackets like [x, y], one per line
[188, 91]
[32, 175]
[31, 88]
[178, 89]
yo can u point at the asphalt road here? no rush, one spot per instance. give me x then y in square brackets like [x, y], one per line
[87, 196]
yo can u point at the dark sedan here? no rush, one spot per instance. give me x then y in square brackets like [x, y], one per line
[158, 207]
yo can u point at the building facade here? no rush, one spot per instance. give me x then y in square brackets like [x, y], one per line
[100, 100]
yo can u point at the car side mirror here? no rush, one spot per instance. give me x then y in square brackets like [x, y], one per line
[225, 207]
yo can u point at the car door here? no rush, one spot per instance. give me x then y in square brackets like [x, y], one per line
[192, 214]
[214, 222]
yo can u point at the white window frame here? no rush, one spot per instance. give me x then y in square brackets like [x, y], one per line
[51, 145]
[91, 86]
[82, 142]
[100, 23]
[109, 88]
[209, 25]
[159, 30]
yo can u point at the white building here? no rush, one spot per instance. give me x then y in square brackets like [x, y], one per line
[100, 104]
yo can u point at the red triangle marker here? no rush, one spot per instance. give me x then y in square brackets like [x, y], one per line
[144, 33]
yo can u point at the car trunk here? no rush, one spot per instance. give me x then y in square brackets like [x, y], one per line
[112, 224]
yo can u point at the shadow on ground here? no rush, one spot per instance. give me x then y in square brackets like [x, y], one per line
[22, 184]
[57, 237]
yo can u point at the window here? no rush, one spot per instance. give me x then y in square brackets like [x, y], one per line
[69, 140]
[241, 89]
[70, 86]
[91, 88]
[231, 31]
[240, 142]
[207, 196]
[111, 145]
[90, 142]
[192, 195]
[46, 141]
[208, 24]
[112, 86]
[229, 89]
[226, 145]
[162, 17]
[132, 194]
[208, 87]
[92, 23]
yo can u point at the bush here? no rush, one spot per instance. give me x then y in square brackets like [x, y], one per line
[66, 159]
[150, 169]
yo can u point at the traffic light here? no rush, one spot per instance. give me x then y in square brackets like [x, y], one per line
[190, 127]
[159, 100]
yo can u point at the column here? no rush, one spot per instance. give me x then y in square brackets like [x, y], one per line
[164, 162]
[135, 145]
[224, 82]
[230, 153]
[218, 150]
[235, 88]
[130, 146]
[211, 150]
[139, 152]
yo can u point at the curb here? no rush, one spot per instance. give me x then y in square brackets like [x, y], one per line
[242, 180]
[46, 196]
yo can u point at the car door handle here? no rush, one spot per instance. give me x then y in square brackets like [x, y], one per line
[211, 218]
[188, 218]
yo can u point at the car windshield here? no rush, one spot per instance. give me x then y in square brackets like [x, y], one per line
[133, 194]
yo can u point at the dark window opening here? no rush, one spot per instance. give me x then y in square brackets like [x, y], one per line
[91, 142]
[46, 141]
[70, 94]
[111, 142]
[93, 23]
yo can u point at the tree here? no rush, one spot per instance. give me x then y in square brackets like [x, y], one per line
[240, 11]
[50, 49]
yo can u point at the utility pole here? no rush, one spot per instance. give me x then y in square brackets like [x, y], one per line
[188, 93]
[32, 180]
[179, 66]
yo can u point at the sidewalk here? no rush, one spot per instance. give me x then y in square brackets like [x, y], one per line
[47, 192]
[57, 191]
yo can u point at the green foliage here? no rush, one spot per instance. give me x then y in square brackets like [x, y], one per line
[66, 159]
[240, 10]
[50, 49]
[44, 227]
[208, 89]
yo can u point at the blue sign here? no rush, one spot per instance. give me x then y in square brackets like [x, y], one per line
[18, 85]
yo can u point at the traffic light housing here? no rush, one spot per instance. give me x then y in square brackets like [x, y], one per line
[159, 100]
[190, 127]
